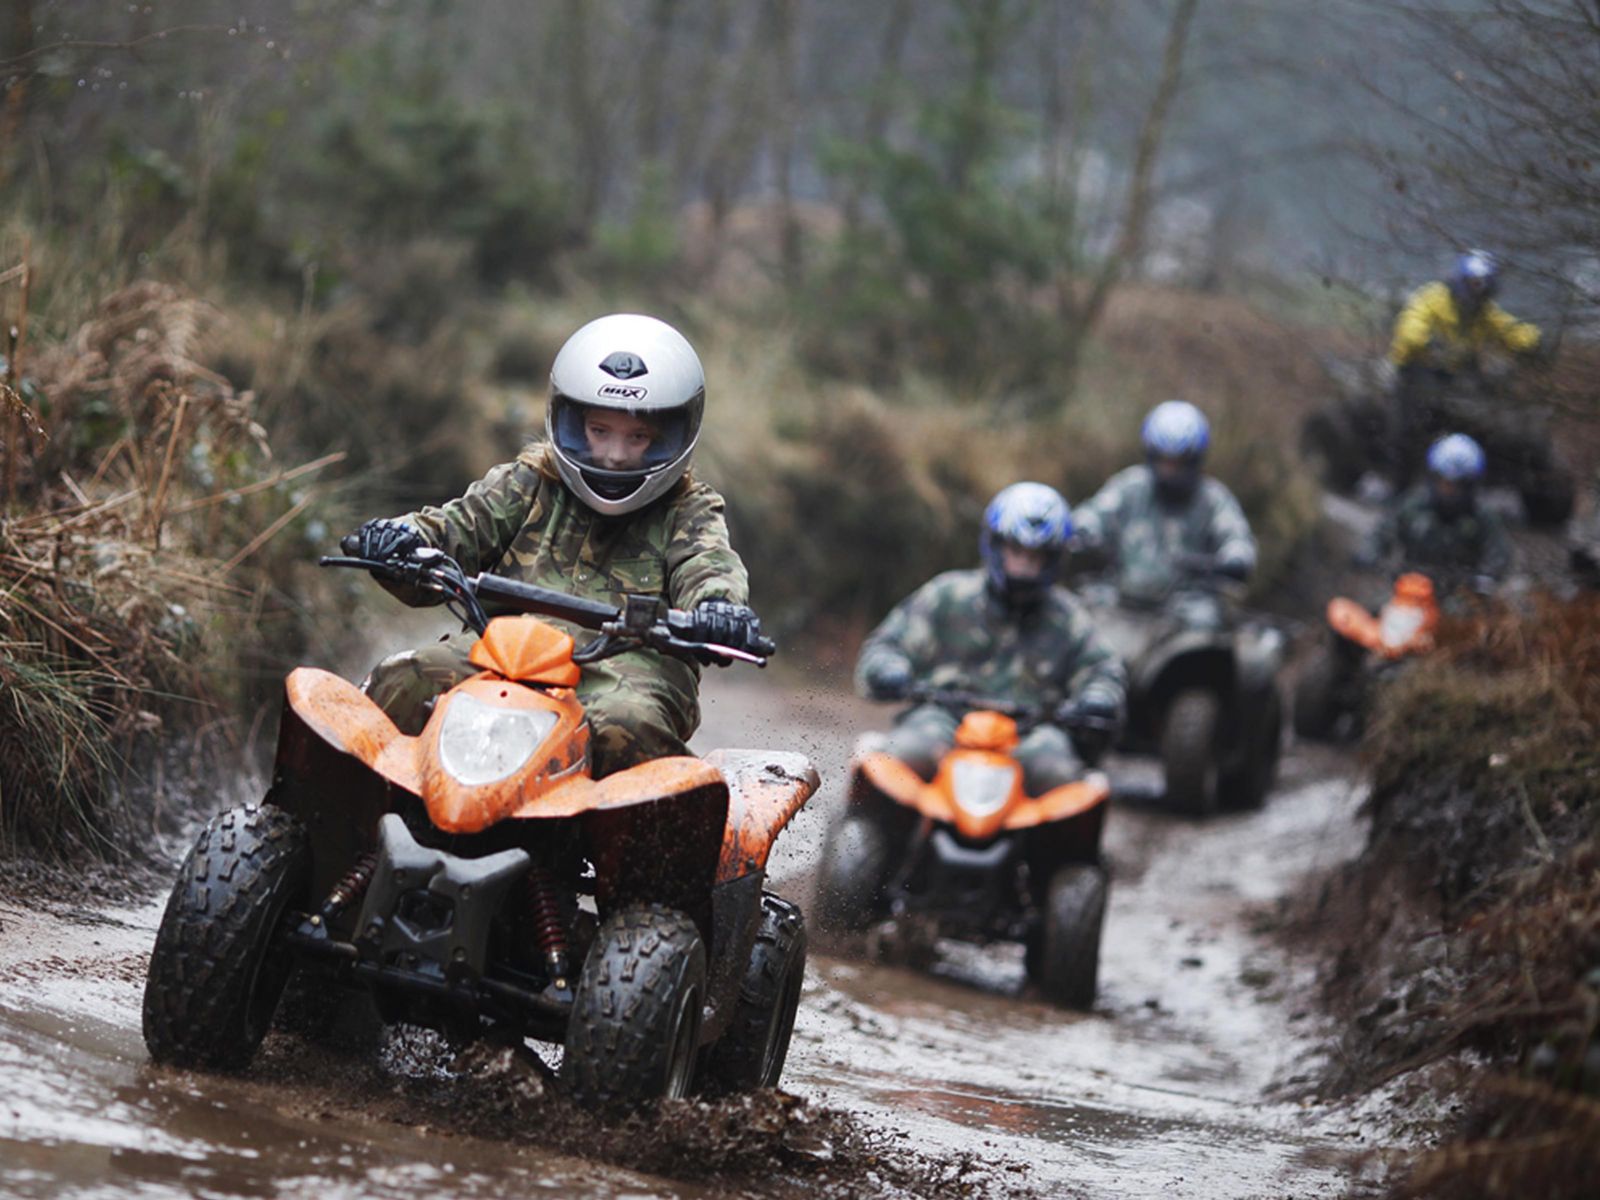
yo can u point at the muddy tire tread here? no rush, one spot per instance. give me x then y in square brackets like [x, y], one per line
[203, 1006]
[618, 1036]
[850, 880]
[736, 1061]
[1189, 751]
[1069, 955]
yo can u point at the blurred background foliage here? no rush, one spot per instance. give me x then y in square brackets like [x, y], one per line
[925, 249]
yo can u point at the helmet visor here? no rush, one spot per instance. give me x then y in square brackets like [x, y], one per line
[618, 444]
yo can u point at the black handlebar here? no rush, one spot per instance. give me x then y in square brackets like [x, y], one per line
[643, 621]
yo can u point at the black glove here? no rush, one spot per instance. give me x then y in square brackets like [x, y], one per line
[1088, 710]
[1232, 568]
[889, 679]
[726, 624]
[1092, 721]
[382, 540]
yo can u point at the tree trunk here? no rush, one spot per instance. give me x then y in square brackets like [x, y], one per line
[1137, 203]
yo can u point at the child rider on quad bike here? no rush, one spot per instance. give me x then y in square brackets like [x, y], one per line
[604, 506]
[1440, 527]
[1166, 520]
[1003, 631]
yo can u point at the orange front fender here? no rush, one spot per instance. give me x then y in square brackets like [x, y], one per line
[1058, 804]
[344, 716]
[765, 789]
[1354, 623]
[904, 786]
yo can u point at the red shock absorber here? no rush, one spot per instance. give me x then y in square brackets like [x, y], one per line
[351, 888]
[544, 906]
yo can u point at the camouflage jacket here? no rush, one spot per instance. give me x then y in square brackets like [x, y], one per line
[521, 522]
[953, 633]
[1413, 535]
[1143, 537]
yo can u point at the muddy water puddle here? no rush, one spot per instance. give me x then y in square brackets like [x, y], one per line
[1159, 1091]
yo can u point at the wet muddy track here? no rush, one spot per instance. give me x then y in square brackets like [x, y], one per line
[1162, 1090]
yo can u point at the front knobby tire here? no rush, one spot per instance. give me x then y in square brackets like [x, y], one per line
[1248, 785]
[634, 1033]
[855, 868]
[1316, 698]
[752, 1052]
[1189, 751]
[219, 964]
[1066, 964]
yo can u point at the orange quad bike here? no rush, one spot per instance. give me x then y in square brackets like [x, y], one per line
[969, 854]
[477, 880]
[1334, 691]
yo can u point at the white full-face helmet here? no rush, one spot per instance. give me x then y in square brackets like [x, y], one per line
[634, 365]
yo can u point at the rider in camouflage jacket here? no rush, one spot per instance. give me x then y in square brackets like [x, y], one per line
[549, 518]
[982, 631]
[1454, 548]
[1158, 521]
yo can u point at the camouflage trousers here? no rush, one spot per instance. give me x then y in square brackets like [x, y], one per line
[923, 734]
[639, 707]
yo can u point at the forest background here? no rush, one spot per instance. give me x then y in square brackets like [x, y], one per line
[268, 273]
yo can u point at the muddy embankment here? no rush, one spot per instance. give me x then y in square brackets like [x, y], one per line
[959, 1082]
[1462, 945]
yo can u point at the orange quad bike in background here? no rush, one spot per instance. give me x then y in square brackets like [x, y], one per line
[1334, 693]
[969, 854]
[477, 880]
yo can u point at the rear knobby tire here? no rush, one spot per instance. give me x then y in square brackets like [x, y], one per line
[1067, 965]
[1331, 448]
[219, 964]
[634, 1033]
[1548, 497]
[751, 1053]
[1189, 751]
[855, 867]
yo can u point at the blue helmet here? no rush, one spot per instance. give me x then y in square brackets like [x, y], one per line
[1176, 429]
[1032, 516]
[1474, 277]
[1456, 457]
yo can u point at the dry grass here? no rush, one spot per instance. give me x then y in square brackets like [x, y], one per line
[137, 539]
[1485, 788]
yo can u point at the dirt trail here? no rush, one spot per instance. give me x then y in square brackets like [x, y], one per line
[1160, 1091]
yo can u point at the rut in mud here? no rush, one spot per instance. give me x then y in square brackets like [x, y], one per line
[956, 1082]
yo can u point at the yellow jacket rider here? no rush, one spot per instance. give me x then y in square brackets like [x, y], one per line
[1446, 323]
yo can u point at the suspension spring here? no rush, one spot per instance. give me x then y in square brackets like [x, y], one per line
[351, 888]
[544, 906]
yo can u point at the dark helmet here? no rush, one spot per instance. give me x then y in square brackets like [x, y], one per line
[1030, 516]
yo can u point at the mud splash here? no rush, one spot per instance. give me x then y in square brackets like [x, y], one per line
[956, 1082]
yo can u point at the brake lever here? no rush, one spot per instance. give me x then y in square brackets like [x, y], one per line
[706, 652]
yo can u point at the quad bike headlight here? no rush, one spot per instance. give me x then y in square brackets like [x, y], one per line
[981, 788]
[480, 743]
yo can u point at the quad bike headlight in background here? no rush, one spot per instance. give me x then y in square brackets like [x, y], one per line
[480, 743]
[982, 788]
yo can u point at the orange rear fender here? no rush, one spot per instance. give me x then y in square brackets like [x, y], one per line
[765, 789]
[344, 716]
